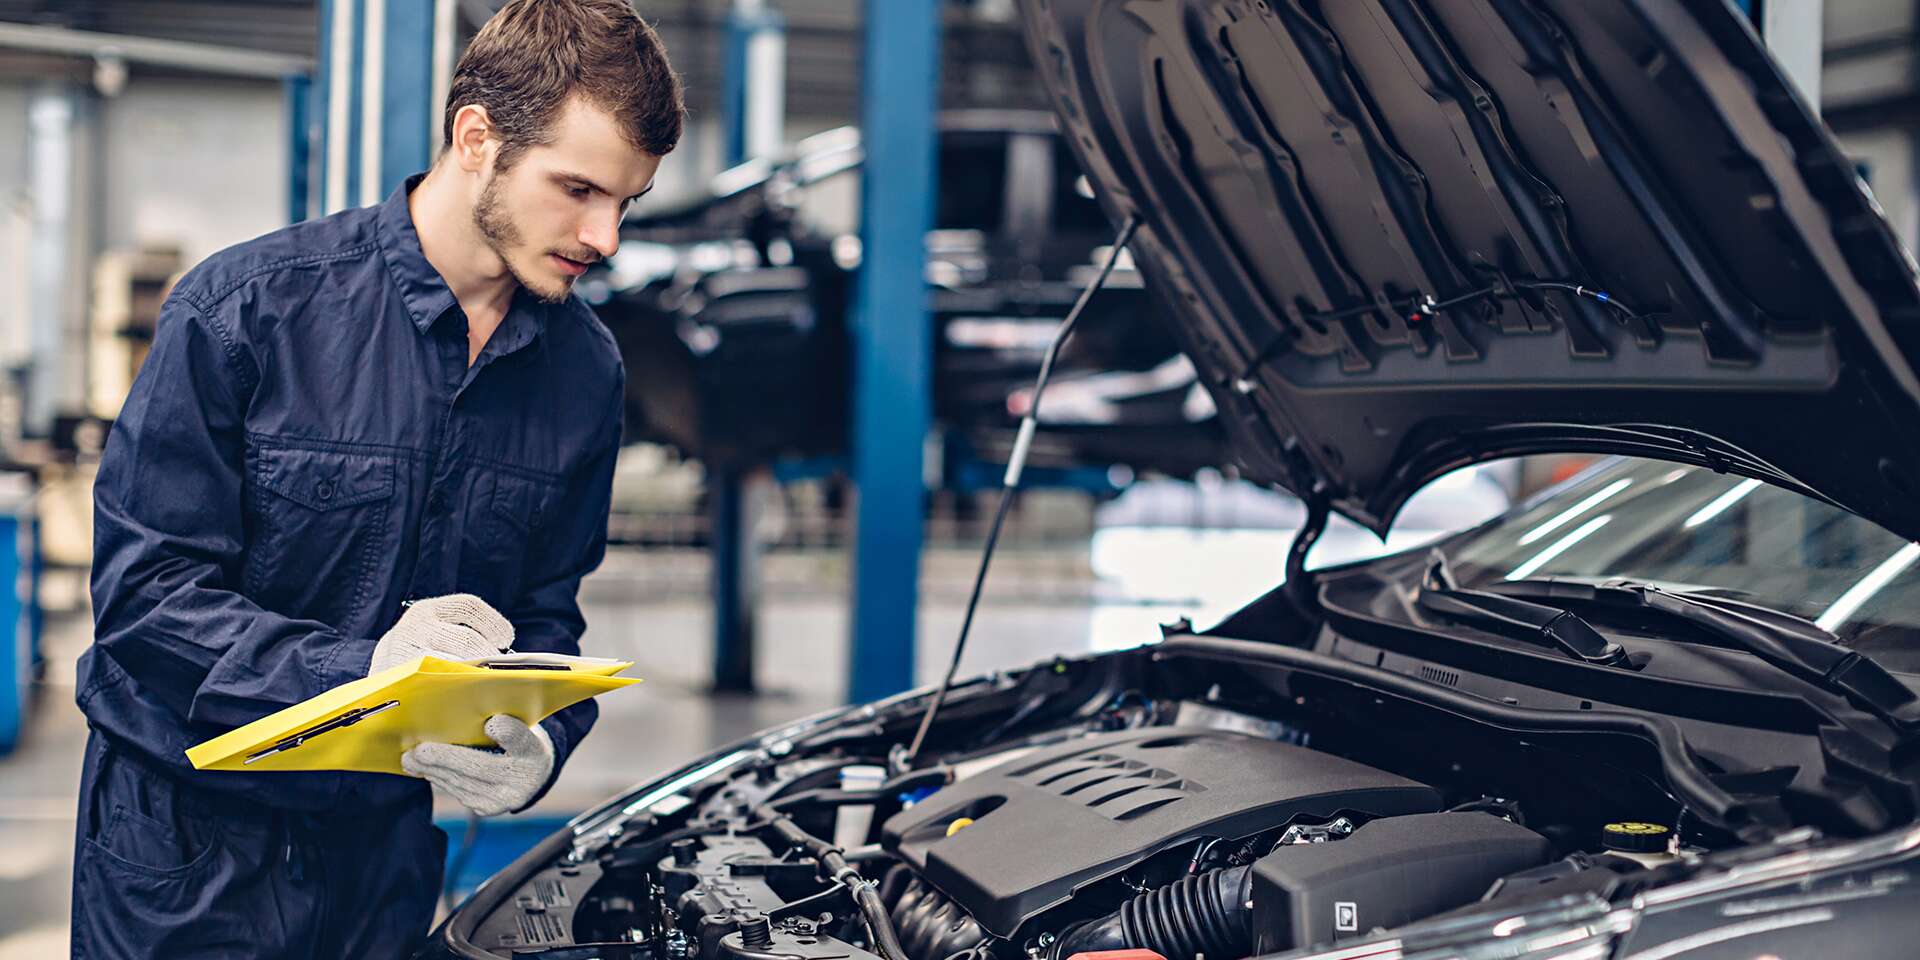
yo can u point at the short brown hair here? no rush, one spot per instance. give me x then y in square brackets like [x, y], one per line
[534, 54]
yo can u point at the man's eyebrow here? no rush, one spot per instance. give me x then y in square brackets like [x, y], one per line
[578, 178]
[581, 179]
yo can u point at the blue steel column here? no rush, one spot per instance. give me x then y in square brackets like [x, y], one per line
[388, 49]
[16, 652]
[749, 23]
[354, 131]
[735, 576]
[320, 102]
[893, 353]
[406, 111]
[729, 537]
[300, 143]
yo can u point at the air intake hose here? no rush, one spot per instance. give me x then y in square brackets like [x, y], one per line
[1204, 913]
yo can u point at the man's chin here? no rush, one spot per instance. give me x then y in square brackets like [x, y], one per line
[551, 290]
[545, 285]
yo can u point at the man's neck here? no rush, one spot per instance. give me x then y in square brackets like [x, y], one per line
[479, 280]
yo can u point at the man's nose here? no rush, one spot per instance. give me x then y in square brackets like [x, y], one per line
[602, 233]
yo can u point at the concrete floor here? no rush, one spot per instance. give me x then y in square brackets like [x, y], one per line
[801, 670]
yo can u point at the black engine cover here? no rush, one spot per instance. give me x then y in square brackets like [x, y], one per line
[1388, 873]
[1051, 822]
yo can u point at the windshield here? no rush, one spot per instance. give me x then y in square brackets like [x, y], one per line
[1690, 528]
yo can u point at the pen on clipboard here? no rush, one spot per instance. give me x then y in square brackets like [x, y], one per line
[344, 720]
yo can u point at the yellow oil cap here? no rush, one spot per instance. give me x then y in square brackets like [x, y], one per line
[1635, 837]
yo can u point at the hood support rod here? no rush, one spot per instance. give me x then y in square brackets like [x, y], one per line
[1299, 581]
[1016, 464]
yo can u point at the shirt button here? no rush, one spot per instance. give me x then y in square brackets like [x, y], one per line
[323, 489]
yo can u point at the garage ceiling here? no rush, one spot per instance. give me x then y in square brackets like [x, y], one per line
[986, 62]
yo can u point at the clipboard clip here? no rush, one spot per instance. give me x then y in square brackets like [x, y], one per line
[347, 719]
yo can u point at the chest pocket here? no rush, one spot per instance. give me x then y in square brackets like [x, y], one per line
[503, 536]
[320, 521]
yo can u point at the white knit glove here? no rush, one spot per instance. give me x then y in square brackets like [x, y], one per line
[456, 627]
[488, 782]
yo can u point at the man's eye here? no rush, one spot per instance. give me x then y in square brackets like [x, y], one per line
[576, 191]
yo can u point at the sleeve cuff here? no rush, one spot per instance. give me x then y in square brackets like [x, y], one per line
[349, 659]
[562, 747]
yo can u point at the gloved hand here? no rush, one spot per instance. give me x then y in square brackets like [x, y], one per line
[455, 627]
[485, 781]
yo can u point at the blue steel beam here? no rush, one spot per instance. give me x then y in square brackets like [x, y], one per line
[893, 353]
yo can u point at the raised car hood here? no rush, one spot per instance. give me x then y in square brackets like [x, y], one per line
[1370, 218]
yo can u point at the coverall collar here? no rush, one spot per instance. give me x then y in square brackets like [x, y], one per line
[426, 294]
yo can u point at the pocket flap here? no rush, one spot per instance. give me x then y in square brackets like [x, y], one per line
[324, 479]
[522, 502]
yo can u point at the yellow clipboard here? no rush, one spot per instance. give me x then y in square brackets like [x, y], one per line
[367, 724]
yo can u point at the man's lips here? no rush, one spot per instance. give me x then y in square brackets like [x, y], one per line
[570, 267]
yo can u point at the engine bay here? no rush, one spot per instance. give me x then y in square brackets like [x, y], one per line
[1042, 826]
[1097, 805]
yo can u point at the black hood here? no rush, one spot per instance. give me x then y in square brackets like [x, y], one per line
[1400, 236]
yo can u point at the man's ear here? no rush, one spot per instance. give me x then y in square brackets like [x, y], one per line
[473, 141]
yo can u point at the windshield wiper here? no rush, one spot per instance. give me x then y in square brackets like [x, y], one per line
[1792, 644]
[1515, 617]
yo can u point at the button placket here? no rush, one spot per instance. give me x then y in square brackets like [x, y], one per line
[431, 576]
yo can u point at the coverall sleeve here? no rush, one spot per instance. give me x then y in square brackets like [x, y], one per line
[169, 537]
[546, 617]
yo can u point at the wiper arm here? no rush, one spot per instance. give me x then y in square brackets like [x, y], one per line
[1792, 644]
[1522, 619]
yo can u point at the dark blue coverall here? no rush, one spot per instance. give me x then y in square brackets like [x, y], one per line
[305, 449]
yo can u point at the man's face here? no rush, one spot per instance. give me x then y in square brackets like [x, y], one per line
[558, 207]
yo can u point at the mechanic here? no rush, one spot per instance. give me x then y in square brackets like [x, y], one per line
[356, 440]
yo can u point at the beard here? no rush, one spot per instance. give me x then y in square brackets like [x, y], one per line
[502, 235]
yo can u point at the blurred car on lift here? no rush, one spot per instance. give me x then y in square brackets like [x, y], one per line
[732, 311]
[1667, 709]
